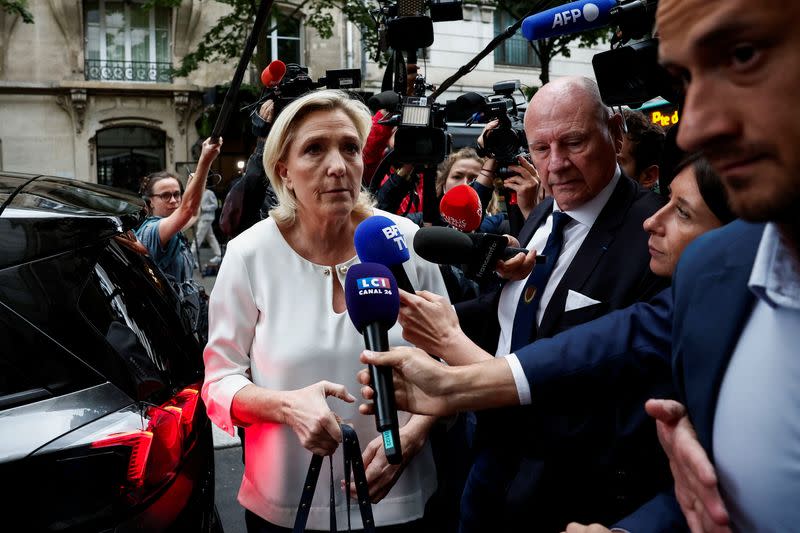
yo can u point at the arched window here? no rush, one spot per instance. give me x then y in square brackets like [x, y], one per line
[127, 153]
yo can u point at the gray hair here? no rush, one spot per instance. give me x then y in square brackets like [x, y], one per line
[284, 131]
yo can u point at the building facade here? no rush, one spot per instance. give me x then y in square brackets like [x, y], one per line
[86, 91]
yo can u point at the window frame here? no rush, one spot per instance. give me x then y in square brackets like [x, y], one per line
[102, 40]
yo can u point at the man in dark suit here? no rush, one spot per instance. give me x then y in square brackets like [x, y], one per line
[590, 229]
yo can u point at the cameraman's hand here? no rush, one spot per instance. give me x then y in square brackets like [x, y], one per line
[266, 111]
[486, 176]
[488, 127]
[518, 267]
[526, 184]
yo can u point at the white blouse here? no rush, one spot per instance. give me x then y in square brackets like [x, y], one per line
[271, 322]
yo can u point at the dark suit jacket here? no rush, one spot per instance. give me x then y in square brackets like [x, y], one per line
[698, 320]
[712, 304]
[611, 266]
[578, 463]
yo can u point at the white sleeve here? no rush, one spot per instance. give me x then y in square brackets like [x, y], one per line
[232, 316]
[523, 387]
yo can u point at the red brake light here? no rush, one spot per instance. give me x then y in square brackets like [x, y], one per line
[184, 404]
[156, 451]
[139, 442]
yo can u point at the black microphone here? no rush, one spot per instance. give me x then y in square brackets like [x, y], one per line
[479, 251]
[373, 303]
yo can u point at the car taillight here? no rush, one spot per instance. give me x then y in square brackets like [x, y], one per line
[139, 442]
[156, 451]
[185, 403]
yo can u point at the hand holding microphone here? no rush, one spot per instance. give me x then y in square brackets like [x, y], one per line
[373, 304]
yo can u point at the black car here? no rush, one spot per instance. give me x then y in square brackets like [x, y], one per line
[101, 423]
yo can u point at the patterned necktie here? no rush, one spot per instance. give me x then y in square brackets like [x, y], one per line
[525, 317]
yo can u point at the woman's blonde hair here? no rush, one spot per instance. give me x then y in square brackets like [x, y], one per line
[283, 134]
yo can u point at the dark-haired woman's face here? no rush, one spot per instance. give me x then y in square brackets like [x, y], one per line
[678, 223]
[166, 197]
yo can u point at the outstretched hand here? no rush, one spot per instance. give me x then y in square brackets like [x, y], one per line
[695, 479]
[418, 381]
[518, 267]
[429, 322]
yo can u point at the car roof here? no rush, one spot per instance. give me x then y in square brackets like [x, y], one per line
[43, 215]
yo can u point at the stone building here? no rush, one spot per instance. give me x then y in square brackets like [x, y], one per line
[86, 90]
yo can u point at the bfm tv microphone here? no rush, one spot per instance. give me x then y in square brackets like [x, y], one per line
[461, 208]
[565, 19]
[479, 251]
[273, 73]
[378, 240]
[373, 303]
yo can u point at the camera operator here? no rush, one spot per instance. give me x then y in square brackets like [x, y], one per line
[641, 149]
[250, 197]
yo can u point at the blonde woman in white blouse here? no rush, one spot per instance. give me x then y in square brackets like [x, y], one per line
[281, 342]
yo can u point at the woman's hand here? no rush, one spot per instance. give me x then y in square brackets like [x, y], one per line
[209, 152]
[526, 184]
[429, 322]
[381, 476]
[310, 417]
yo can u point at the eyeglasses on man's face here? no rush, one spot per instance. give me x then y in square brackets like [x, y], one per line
[167, 196]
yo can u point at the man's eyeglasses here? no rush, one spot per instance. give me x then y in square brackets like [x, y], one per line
[167, 196]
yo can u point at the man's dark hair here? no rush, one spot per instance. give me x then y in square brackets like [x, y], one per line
[646, 138]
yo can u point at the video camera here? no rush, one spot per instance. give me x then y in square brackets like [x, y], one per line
[407, 26]
[505, 142]
[294, 82]
[628, 74]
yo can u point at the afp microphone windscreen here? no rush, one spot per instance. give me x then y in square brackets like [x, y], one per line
[461, 208]
[378, 240]
[273, 73]
[566, 19]
[371, 294]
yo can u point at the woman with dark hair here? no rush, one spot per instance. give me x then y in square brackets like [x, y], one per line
[169, 210]
[697, 204]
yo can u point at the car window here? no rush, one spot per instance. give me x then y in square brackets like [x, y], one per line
[133, 307]
[34, 367]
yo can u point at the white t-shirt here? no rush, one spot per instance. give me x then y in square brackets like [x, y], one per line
[271, 322]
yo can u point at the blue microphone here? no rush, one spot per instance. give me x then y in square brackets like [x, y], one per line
[373, 303]
[565, 19]
[378, 240]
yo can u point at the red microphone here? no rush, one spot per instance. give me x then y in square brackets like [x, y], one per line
[273, 74]
[461, 208]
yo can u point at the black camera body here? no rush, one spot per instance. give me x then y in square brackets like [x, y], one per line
[295, 83]
[507, 141]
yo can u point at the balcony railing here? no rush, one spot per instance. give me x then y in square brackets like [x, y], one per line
[135, 71]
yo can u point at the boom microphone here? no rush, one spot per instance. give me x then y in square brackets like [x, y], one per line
[373, 303]
[273, 73]
[461, 208]
[565, 19]
[479, 251]
[378, 240]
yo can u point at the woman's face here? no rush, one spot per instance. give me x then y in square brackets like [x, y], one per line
[323, 165]
[678, 223]
[166, 197]
[462, 171]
